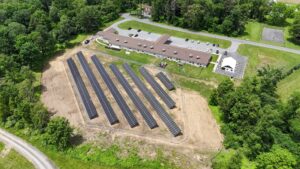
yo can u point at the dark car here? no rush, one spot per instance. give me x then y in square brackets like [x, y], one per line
[129, 28]
[139, 30]
[86, 41]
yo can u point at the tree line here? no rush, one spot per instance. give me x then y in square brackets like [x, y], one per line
[257, 123]
[31, 31]
[228, 17]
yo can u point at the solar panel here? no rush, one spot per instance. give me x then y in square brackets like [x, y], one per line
[164, 79]
[134, 97]
[109, 112]
[158, 89]
[172, 126]
[85, 97]
[115, 92]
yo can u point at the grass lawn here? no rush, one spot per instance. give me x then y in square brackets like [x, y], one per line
[87, 156]
[289, 85]
[2, 145]
[223, 158]
[160, 30]
[216, 113]
[214, 57]
[259, 57]
[254, 31]
[203, 89]
[13, 160]
[133, 56]
[195, 72]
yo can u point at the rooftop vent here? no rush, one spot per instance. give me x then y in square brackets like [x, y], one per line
[145, 46]
[190, 55]
[198, 57]
[117, 40]
[139, 44]
[175, 52]
[151, 47]
[163, 50]
[125, 41]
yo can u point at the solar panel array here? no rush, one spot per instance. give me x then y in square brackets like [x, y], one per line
[118, 97]
[164, 79]
[85, 97]
[172, 126]
[110, 114]
[158, 89]
[134, 97]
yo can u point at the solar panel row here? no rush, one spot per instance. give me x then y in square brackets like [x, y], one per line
[85, 97]
[158, 89]
[134, 97]
[109, 112]
[118, 97]
[172, 126]
[164, 79]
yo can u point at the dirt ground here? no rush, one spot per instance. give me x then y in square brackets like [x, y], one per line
[192, 114]
[290, 1]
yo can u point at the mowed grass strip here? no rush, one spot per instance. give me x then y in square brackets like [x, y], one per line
[259, 57]
[289, 85]
[160, 30]
[254, 32]
[13, 160]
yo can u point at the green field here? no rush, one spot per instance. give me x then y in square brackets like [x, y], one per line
[98, 156]
[289, 85]
[259, 57]
[160, 30]
[254, 31]
[1, 146]
[13, 160]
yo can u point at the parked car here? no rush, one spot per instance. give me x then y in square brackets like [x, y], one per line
[86, 41]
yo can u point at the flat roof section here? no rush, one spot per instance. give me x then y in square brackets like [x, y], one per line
[165, 50]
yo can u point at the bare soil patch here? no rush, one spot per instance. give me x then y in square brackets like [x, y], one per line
[192, 114]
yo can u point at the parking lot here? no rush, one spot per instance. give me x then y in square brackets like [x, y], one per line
[239, 69]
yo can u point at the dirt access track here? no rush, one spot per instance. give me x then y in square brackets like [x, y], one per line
[192, 114]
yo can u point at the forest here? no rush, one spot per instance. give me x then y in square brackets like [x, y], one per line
[227, 17]
[256, 123]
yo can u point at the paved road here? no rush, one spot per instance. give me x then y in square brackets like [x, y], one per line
[39, 160]
[234, 41]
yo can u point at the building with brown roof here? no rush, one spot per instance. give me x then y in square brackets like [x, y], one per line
[158, 48]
